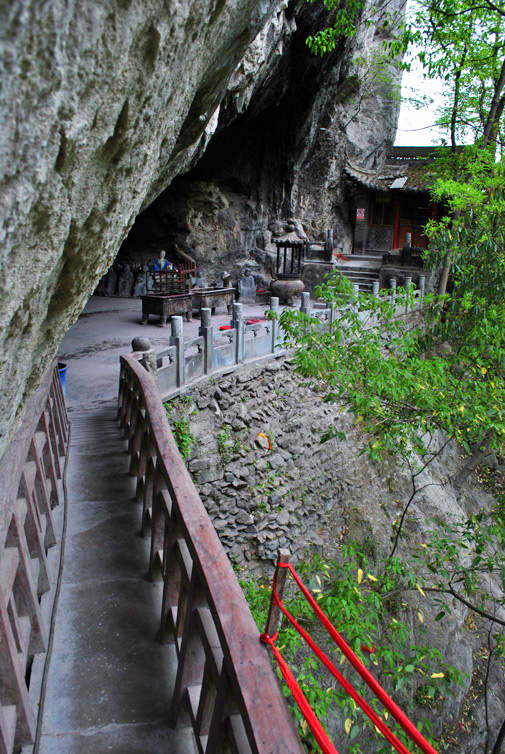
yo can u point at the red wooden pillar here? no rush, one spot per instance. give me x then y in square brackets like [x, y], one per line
[396, 225]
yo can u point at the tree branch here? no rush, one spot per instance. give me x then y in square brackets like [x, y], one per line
[454, 594]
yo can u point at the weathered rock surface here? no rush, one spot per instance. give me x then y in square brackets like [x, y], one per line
[286, 127]
[103, 104]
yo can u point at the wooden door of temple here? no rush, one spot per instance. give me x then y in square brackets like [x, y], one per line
[411, 217]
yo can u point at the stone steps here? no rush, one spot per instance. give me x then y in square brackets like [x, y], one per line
[362, 276]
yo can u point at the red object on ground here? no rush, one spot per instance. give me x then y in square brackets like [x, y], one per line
[254, 320]
[377, 689]
[225, 327]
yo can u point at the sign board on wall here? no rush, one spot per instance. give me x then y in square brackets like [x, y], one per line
[360, 213]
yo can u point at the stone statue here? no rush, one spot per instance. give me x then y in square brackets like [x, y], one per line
[140, 287]
[110, 286]
[125, 284]
[247, 288]
[200, 281]
[225, 281]
[160, 263]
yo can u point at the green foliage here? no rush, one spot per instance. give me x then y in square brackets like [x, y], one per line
[458, 42]
[228, 444]
[357, 604]
[403, 386]
[331, 433]
[182, 435]
[177, 415]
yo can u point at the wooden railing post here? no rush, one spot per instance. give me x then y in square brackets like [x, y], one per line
[29, 489]
[279, 583]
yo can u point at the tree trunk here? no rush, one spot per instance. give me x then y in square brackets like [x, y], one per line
[442, 286]
[491, 119]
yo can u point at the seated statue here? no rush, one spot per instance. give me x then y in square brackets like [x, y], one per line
[247, 288]
[160, 263]
[200, 281]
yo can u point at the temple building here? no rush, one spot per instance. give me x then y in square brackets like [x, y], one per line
[392, 201]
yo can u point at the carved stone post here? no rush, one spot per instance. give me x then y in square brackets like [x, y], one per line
[422, 286]
[392, 286]
[332, 317]
[237, 324]
[305, 305]
[375, 288]
[205, 330]
[408, 281]
[177, 340]
[274, 306]
[144, 352]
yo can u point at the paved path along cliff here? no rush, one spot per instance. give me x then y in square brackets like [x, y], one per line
[108, 681]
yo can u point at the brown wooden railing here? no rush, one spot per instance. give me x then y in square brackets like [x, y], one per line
[225, 687]
[30, 487]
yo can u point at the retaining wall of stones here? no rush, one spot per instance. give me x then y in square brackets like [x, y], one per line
[262, 471]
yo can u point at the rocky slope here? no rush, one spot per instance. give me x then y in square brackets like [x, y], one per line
[104, 104]
[303, 494]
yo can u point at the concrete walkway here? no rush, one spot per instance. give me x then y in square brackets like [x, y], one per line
[104, 330]
[108, 683]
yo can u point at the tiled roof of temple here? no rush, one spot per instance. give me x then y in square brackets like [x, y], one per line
[405, 169]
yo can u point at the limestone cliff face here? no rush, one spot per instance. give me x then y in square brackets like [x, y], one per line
[104, 104]
[284, 130]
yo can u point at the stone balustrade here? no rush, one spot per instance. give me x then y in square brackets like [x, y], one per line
[185, 362]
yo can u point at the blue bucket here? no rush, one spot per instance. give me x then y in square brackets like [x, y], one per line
[62, 369]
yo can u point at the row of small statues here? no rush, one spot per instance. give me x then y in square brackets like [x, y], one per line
[122, 281]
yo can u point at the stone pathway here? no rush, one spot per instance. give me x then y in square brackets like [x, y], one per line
[105, 329]
[109, 681]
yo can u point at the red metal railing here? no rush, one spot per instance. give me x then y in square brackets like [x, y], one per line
[269, 637]
[30, 488]
[225, 686]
